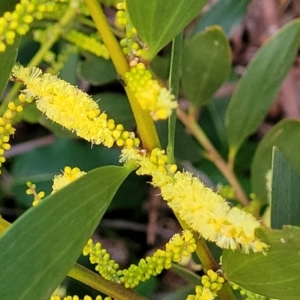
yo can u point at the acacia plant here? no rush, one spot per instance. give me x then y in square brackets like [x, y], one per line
[123, 40]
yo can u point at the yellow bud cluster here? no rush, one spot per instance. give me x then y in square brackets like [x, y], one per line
[247, 294]
[70, 107]
[177, 248]
[202, 293]
[149, 93]
[130, 43]
[54, 297]
[106, 267]
[69, 175]
[38, 196]
[89, 43]
[212, 281]
[18, 21]
[6, 125]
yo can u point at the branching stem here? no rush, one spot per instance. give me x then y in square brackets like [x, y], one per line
[174, 78]
[112, 289]
[213, 155]
[144, 123]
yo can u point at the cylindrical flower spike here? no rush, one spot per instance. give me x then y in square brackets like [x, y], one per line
[87, 42]
[202, 209]
[72, 108]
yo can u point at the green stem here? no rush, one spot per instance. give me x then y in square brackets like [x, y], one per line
[174, 77]
[209, 263]
[144, 123]
[112, 289]
[213, 155]
[56, 31]
[207, 260]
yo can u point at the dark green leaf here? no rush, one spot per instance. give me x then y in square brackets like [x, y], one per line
[39, 249]
[205, 65]
[258, 87]
[285, 136]
[7, 5]
[55, 128]
[158, 22]
[7, 60]
[97, 70]
[186, 148]
[275, 275]
[285, 204]
[30, 113]
[227, 14]
[68, 72]
[117, 107]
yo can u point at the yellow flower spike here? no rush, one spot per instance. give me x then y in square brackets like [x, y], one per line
[198, 206]
[87, 42]
[68, 106]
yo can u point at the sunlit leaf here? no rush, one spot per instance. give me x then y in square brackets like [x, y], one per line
[285, 136]
[276, 274]
[285, 204]
[261, 82]
[206, 64]
[158, 22]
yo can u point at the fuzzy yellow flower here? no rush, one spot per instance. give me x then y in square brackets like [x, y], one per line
[69, 175]
[70, 107]
[197, 205]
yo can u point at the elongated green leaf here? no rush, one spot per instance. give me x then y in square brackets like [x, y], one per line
[285, 209]
[206, 64]
[258, 87]
[97, 70]
[275, 275]
[7, 60]
[158, 22]
[39, 249]
[226, 14]
[285, 136]
[7, 6]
